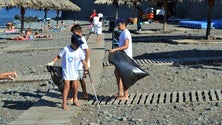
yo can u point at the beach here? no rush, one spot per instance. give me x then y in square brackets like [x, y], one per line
[30, 58]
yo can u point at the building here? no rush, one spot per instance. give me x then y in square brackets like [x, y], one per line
[186, 9]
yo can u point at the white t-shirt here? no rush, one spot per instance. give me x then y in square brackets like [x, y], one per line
[99, 27]
[125, 34]
[95, 20]
[84, 46]
[71, 59]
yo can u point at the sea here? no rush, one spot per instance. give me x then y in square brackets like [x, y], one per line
[8, 15]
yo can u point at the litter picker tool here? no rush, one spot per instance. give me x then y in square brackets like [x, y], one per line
[90, 78]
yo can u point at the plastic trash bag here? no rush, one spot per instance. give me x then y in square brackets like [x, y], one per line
[129, 71]
[56, 75]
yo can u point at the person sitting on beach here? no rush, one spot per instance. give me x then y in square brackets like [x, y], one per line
[37, 35]
[49, 26]
[10, 28]
[27, 36]
[8, 75]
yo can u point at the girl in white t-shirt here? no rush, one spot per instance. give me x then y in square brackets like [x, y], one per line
[125, 44]
[99, 30]
[72, 56]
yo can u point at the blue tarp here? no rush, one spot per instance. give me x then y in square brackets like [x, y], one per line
[217, 24]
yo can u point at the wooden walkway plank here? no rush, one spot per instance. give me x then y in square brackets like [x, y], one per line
[143, 98]
[213, 95]
[168, 97]
[149, 98]
[155, 98]
[187, 96]
[132, 95]
[174, 97]
[162, 97]
[193, 96]
[200, 97]
[137, 98]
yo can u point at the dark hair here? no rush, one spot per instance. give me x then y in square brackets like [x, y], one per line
[101, 18]
[77, 28]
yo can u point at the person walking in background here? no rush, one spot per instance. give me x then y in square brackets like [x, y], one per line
[91, 19]
[95, 22]
[99, 28]
[72, 56]
[77, 30]
[93, 14]
[8, 75]
[125, 44]
[139, 18]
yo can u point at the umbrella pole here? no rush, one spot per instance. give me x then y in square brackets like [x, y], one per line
[22, 11]
[57, 18]
[45, 16]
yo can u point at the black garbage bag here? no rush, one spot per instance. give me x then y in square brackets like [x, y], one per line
[56, 75]
[129, 71]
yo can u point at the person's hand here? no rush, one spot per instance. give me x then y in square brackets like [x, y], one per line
[112, 50]
[86, 68]
[50, 64]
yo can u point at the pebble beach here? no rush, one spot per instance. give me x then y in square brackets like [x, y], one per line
[31, 57]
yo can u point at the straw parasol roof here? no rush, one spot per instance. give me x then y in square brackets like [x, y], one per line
[6, 3]
[26, 3]
[58, 5]
[37, 4]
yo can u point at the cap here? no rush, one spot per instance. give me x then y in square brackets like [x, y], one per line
[76, 39]
[120, 20]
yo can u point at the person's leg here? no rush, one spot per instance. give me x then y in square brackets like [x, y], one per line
[65, 94]
[125, 97]
[98, 38]
[75, 93]
[138, 24]
[83, 85]
[119, 84]
[8, 75]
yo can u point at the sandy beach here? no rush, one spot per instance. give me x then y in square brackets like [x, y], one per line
[31, 57]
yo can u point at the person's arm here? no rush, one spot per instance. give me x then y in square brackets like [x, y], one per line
[55, 59]
[87, 55]
[125, 46]
[8, 75]
[85, 65]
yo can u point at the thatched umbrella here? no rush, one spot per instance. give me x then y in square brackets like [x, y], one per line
[25, 4]
[6, 3]
[116, 3]
[58, 5]
[37, 4]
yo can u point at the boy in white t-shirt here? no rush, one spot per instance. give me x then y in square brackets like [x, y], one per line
[72, 56]
[125, 44]
[76, 29]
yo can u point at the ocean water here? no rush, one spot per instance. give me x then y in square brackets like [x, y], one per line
[8, 15]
